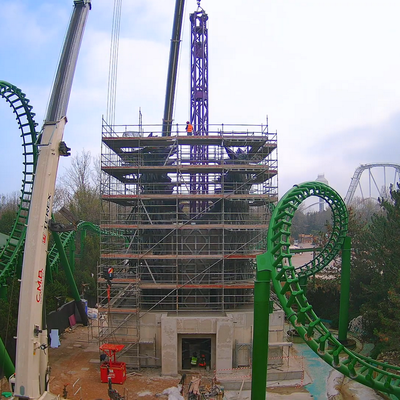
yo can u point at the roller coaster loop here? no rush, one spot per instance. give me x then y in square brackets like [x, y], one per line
[285, 279]
[13, 249]
[12, 252]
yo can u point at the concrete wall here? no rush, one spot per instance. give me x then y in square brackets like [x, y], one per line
[220, 327]
[166, 331]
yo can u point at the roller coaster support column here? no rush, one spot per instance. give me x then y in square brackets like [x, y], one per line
[262, 289]
[6, 363]
[70, 278]
[344, 291]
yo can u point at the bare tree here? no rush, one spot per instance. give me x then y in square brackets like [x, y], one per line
[79, 190]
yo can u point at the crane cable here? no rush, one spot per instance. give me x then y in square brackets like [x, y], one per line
[113, 63]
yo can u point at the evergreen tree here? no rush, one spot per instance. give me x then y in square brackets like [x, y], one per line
[381, 310]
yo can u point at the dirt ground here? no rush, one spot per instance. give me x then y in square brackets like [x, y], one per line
[76, 365]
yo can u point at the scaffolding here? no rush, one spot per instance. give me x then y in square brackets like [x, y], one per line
[175, 246]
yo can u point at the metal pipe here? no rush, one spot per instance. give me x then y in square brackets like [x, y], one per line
[262, 288]
[70, 278]
[344, 290]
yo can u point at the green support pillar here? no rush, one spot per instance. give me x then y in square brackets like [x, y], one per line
[262, 289]
[6, 363]
[83, 238]
[71, 248]
[344, 291]
[70, 278]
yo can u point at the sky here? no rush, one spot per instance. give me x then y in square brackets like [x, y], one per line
[326, 73]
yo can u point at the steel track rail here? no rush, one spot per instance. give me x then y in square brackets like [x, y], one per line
[376, 375]
[355, 180]
[11, 253]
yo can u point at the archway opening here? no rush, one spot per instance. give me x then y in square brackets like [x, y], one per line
[196, 353]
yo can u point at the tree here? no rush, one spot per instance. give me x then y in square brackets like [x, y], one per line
[376, 262]
[86, 268]
[311, 223]
[365, 209]
[9, 315]
[80, 190]
[363, 270]
[8, 212]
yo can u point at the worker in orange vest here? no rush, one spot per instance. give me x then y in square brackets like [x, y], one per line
[189, 128]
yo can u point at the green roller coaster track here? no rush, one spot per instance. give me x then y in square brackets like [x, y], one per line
[285, 278]
[12, 251]
[11, 254]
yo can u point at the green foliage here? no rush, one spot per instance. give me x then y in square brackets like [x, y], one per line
[363, 271]
[375, 277]
[8, 212]
[80, 194]
[9, 314]
[85, 204]
[324, 295]
[56, 292]
[86, 267]
[311, 223]
[7, 219]
[375, 273]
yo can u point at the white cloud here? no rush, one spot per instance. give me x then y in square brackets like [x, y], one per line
[325, 73]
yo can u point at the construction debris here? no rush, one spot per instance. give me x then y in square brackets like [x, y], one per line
[173, 393]
[195, 390]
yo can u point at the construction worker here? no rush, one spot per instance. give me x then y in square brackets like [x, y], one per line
[189, 128]
[202, 361]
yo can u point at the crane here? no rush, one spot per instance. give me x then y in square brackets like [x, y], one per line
[31, 378]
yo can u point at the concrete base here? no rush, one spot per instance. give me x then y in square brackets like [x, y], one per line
[218, 329]
[289, 373]
[274, 376]
[172, 336]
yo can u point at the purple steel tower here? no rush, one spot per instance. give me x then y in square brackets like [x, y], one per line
[199, 105]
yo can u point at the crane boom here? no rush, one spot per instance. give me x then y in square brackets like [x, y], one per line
[173, 67]
[31, 358]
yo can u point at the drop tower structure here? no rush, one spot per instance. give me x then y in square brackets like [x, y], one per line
[184, 217]
[199, 105]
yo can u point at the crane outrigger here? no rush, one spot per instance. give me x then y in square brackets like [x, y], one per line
[32, 372]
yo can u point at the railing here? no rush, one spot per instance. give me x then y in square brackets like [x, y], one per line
[155, 130]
